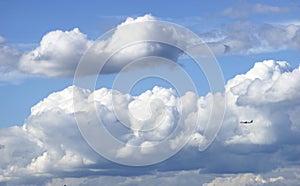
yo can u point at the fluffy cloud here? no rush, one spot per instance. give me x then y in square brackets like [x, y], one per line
[59, 52]
[49, 144]
[266, 90]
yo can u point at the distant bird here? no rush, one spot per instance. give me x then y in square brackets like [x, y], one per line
[2, 146]
[226, 49]
[246, 122]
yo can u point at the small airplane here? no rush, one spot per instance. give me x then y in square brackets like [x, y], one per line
[226, 49]
[246, 122]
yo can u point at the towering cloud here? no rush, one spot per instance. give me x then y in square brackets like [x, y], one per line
[49, 143]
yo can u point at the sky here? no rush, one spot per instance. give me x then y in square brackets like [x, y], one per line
[149, 92]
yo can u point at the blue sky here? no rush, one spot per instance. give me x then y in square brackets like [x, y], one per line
[34, 19]
[41, 44]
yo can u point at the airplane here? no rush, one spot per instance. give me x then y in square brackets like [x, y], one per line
[226, 49]
[246, 122]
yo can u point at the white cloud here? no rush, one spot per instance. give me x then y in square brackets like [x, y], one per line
[267, 92]
[49, 144]
[59, 52]
[57, 55]
[244, 180]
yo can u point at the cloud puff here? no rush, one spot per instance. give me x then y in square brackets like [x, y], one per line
[59, 52]
[49, 144]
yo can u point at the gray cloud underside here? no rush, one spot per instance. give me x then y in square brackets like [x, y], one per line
[178, 178]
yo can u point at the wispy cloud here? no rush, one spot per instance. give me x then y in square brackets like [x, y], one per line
[261, 8]
[234, 13]
[2, 39]
[250, 38]
[9, 59]
[244, 10]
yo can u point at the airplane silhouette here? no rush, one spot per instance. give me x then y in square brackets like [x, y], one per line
[226, 49]
[246, 122]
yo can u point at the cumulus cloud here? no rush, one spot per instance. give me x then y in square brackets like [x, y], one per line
[261, 94]
[57, 55]
[59, 52]
[49, 144]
